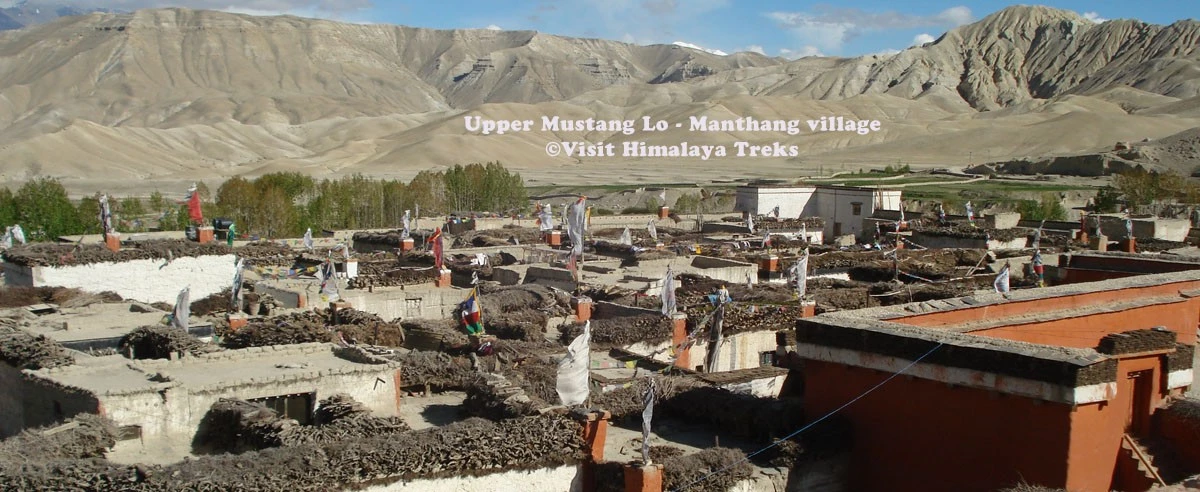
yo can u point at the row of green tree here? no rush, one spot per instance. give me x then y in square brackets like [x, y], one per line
[274, 205]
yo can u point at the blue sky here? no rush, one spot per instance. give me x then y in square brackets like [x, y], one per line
[788, 28]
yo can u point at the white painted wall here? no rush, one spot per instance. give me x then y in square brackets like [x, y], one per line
[140, 280]
[834, 204]
[762, 201]
[762, 388]
[563, 478]
[740, 351]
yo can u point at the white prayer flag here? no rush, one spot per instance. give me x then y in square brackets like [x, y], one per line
[800, 275]
[18, 234]
[1001, 283]
[647, 415]
[235, 297]
[576, 218]
[179, 315]
[407, 224]
[572, 384]
[105, 215]
[308, 240]
[626, 239]
[652, 230]
[750, 223]
[668, 293]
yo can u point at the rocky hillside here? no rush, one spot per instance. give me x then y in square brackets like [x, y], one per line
[1014, 55]
[177, 94]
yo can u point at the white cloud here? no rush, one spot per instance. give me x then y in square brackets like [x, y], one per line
[923, 38]
[696, 47]
[954, 16]
[754, 48]
[1094, 17]
[829, 28]
[493, 27]
[800, 53]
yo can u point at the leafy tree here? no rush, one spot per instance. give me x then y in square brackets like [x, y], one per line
[158, 204]
[1108, 200]
[131, 207]
[293, 184]
[428, 189]
[8, 208]
[1141, 188]
[44, 210]
[1048, 208]
[88, 212]
[278, 214]
[687, 204]
[237, 200]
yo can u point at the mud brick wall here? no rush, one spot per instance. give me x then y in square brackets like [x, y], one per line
[1179, 424]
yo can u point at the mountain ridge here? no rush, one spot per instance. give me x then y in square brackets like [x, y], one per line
[205, 93]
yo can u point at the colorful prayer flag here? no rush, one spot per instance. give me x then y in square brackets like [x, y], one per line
[472, 317]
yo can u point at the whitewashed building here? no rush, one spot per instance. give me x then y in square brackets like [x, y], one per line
[842, 207]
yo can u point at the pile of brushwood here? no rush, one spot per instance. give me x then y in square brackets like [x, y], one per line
[266, 253]
[220, 302]
[81, 437]
[11, 297]
[160, 342]
[433, 334]
[707, 470]
[472, 447]
[25, 351]
[626, 403]
[964, 230]
[292, 328]
[435, 368]
[58, 254]
[494, 397]
[396, 277]
[237, 426]
[621, 331]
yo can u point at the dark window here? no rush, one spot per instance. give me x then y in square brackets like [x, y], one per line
[856, 207]
[766, 359]
[298, 407]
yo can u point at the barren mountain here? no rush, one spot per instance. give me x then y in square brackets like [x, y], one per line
[174, 95]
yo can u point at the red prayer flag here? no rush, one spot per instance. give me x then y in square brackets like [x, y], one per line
[193, 205]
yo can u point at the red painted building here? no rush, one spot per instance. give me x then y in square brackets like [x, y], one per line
[1051, 386]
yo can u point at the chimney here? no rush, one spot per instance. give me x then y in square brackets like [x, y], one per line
[443, 279]
[112, 241]
[205, 235]
[678, 336]
[406, 244]
[554, 238]
[583, 309]
[236, 321]
[643, 478]
[594, 430]
[664, 212]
